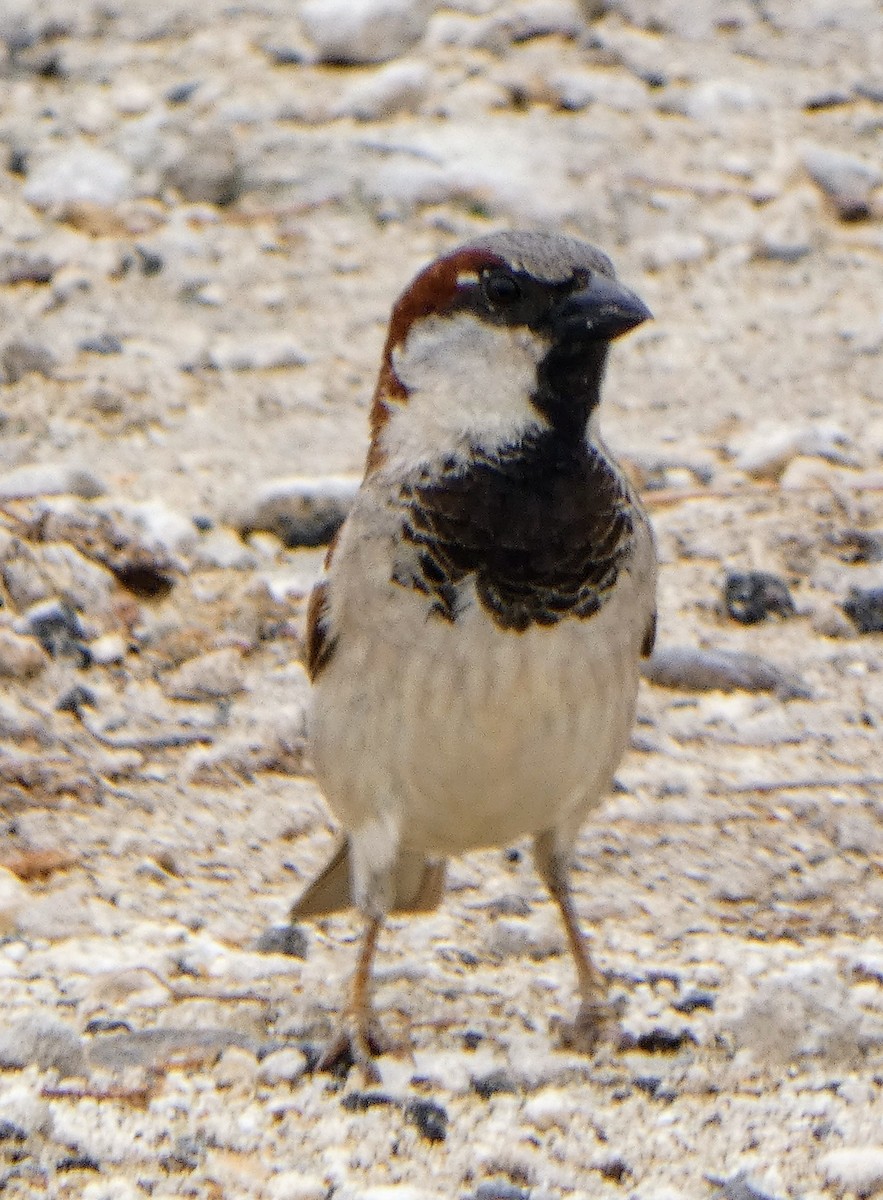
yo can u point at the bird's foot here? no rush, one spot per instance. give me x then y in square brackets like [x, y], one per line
[596, 1021]
[355, 1044]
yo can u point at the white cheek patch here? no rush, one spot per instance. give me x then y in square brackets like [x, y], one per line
[468, 383]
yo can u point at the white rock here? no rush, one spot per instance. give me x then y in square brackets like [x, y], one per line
[511, 939]
[113, 1187]
[671, 248]
[20, 657]
[209, 677]
[805, 1011]
[768, 450]
[62, 914]
[364, 31]
[21, 724]
[550, 1108]
[236, 1066]
[293, 1185]
[400, 87]
[398, 1191]
[256, 352]
[857, 1169]
[225, 549]
[847, 180]
[111, 648]
[49, 479]
[85, 585]
[131, 97]
[14, 897]
[719, 96]
[22, 1106]
[79, 174]
[283, 1066]
[122, 534]
[575, 90]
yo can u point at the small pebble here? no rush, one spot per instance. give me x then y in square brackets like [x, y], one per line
[752, 596]
[235, 1067]
[180, 93]
[855, 1169]
[398, 88]
[207, 169]
[294, 1185]
[693, 1000]
[512, 939]
[283, 1066]
[500, 1189]
[49, 479]
[614, 1168]
[662, 1041]
[44, 1041]
[834, 98]
[301, 511]
[141, 543]
[430, 1118]
[258, 352]
[493, 1083]
[75, 699]
[362, 1101]
[224, 549]
[398, 1191]
[79, 174]
[740, 1187]
[768, 451]
[692, 669]
[58, 629]
[846, 180]
[671, 248]
[363, 31]
[211, 676]
[14, 898]
[285, 54]
[21, 358]
[283, 939]
[772, 248]
[870, 89]
[20, 657]
[152, 1048]
[18, 266]
[864, 607]
[719, 97]
[549, 1108]
[858, 545]
[104, 343]
[111, 648]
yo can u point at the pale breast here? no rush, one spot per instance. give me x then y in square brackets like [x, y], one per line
[469, 732]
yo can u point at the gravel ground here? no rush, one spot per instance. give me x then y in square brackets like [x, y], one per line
[206, 211]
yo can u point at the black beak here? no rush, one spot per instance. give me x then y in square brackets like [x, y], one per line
[602, 311]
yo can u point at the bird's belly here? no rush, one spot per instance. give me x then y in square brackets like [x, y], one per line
[472, 735]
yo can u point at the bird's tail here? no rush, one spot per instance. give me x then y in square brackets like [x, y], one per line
[419, 883]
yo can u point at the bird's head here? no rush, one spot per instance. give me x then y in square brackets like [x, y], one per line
[498, 338]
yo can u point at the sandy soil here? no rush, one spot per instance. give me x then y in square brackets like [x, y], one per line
[202, 229]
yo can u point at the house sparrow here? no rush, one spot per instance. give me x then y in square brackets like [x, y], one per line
[474, 642]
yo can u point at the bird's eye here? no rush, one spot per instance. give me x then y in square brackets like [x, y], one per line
[500, 288]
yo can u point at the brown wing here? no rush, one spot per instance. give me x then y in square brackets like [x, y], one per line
[320, 644]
